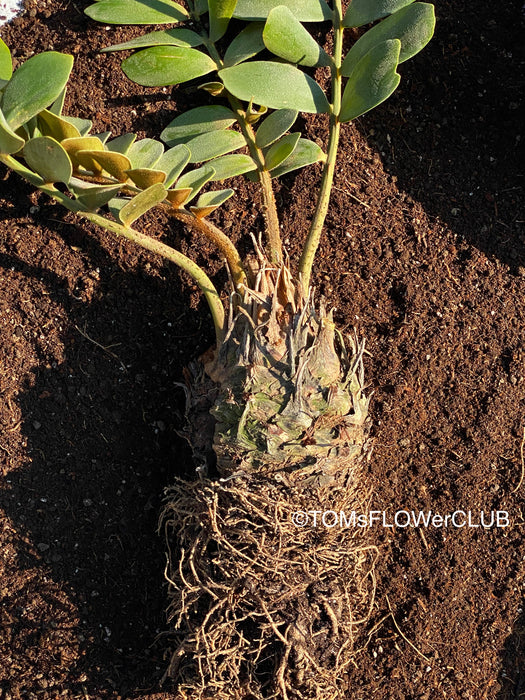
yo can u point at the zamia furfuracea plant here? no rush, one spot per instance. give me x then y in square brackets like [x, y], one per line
[277, 414]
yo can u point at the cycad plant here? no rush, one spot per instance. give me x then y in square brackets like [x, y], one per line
[262, 605]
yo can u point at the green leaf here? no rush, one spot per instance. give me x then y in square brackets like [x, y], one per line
[303, 10]
[123, 143]
[196, 179]
[231, 166]
[146, 177]
[145, 153]
[178, 197]
[46, 157]
[247, 43]
[52, 125]
[220, 13]
[58, 104]
[275, 126]
[136, 12]
[83, 125]
[6, 64]
[213, 144]
[142, 203]
[197, 121]
[286, 37]
[9, 141]
[167, 65]
[275, 85]
[280, 151]
[184, 38]
[116, 164]
[209, 201]
[372, 81]
[34, 86]
[412, 25]
[92, 197]
[362, 12]
[80, 150]
[173, 163]
[213, 88]
[306, 153]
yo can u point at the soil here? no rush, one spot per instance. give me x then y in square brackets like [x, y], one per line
[424, 255]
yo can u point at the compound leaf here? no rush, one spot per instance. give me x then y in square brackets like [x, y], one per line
[167, 65]
[275, 85]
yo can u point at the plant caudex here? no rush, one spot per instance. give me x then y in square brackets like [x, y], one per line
[290, 415]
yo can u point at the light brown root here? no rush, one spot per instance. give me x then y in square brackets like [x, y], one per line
[262, 608]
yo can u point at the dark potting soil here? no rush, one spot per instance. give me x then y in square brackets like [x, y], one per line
[424, 254]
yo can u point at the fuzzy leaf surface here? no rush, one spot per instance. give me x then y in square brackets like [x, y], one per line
[34, 86]
[303, 10]
[145, 153]
[6, 63]
[123, 143]
[275, 85]
[412, 25]
[136, 12]
[114, 163]
[220, 13]
[9, 141]
[305, 153]
[213, 144]
[167, 65]
[197, 121]
[286, 37]
[275, 126]
[248, 43]
[372, 81]
[146, 177]
[185, 38]
[142, 203]
[280, 151]
[195, 179]
[173, 162]
[362, 12]
[57, 127]
[92, 197]
[231, 166]
[46, 157]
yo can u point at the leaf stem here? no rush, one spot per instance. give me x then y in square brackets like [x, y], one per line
[271, 216]
[316, 228]
[196, 273]
[220, 239]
